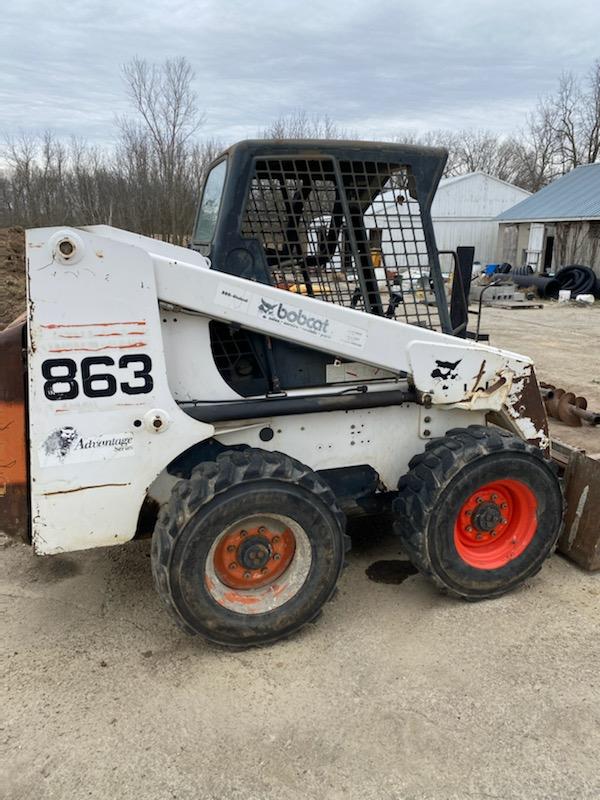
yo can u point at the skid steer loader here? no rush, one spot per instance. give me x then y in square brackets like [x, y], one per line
[239, 398]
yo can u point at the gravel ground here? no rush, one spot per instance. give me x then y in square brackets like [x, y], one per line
[396, 693]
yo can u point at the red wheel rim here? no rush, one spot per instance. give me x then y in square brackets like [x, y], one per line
[250, 557]
[496, 524]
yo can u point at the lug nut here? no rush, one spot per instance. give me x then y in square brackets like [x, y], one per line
[504, 522]
[275, 540]
[494, 497]
[230, 548]
[480, 499]
[243, 533]
[276, 556]
[263, 571]
[262, 529]
[503, 505]
[479, 537]
[469, 528]
[247, 575]
[233, 565]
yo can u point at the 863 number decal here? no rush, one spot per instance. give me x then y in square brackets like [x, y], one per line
[95, 378]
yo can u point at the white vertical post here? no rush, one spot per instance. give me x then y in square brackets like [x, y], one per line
[535, 245]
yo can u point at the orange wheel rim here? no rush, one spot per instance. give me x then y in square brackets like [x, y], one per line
[496, 524]
[251, 557]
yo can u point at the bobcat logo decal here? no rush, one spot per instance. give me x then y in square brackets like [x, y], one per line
[294, 317]
[266, 308]
[445, 370]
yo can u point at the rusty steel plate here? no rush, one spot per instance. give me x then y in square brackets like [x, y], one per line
[580, 540]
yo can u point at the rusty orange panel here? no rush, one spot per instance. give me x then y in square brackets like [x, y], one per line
[13, 464]
[14, 500]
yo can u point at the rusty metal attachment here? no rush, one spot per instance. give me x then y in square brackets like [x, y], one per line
[14, 473]
[567, 407]
[580, 540]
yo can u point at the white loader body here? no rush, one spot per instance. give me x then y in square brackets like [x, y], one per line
[118, 340]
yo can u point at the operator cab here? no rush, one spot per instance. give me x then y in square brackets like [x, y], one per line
[343, 222]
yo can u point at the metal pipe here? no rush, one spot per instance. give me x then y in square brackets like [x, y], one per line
[286, 406]
[593, 417]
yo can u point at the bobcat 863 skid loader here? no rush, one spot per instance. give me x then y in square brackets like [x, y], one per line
[239, 398]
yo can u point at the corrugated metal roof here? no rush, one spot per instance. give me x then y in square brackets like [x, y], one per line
[575, 196]
[456, 178]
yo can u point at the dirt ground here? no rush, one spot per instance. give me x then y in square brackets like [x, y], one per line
[12, 274]
[396, 693]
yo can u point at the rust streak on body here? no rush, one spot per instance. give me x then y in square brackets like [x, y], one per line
[100, 335]
[96, 349]
[84, 488]
[479, 375]
[53, 326]
[495, 386]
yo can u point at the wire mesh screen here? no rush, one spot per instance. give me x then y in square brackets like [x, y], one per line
[349, 233]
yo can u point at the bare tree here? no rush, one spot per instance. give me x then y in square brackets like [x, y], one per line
[299, 124]
[566, 121]
[591, 115]
[160, 139]
[572, 115]
[535, 146]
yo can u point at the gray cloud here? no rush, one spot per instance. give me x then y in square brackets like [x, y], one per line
[375, 67]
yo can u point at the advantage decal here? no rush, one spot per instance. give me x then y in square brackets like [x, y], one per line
[66, 446]
[289, 316]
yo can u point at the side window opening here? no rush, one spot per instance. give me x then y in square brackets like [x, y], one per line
[208, 213]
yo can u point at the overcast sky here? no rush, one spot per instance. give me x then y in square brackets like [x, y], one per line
[376, 67]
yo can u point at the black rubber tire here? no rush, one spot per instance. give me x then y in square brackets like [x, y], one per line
[219, 493]
[579, 279]
[524, 270]
[433, 491]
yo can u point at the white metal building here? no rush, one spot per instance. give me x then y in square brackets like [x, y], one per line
[464, 212]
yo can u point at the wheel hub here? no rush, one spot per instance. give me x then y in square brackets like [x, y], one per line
[486, 516]
[255, 554]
